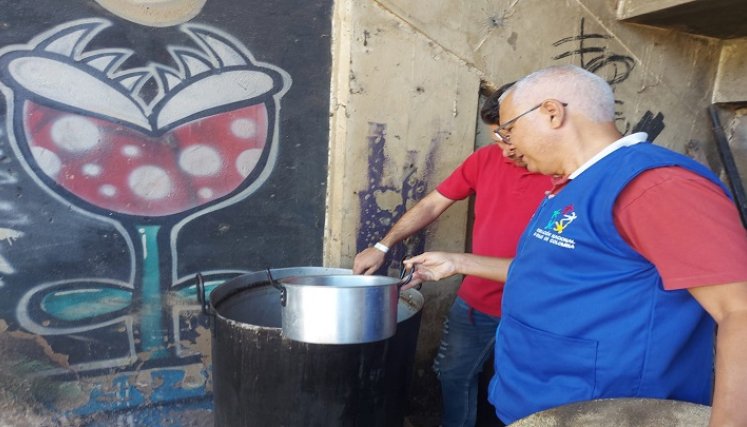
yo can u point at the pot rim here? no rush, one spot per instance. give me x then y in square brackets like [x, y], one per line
[236, 285]
[330, 281]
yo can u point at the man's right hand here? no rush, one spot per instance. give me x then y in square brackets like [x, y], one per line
[422, 214]
[432, 266]
[368, 261]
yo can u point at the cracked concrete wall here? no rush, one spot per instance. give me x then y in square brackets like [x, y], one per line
[406, 74]
[650, 69]
[729, 86]
[730, 102]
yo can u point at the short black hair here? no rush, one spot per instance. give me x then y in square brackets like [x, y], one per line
[489, 110]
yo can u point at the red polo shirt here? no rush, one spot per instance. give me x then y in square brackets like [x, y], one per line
[506, 196]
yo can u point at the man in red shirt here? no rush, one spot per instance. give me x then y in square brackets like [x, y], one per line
[506, 195]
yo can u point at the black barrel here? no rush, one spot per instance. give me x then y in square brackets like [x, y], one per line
[261, 378]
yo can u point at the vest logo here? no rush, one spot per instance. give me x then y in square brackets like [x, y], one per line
[558, 225]
[559, 221]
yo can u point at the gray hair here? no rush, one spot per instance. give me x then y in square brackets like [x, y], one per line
[585, 92]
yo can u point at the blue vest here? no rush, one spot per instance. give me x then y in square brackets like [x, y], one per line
[585, 316]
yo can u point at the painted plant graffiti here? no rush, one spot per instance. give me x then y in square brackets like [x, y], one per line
[203, 136]
[595, 57]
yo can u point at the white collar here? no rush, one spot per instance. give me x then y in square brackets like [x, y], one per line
[625, 141]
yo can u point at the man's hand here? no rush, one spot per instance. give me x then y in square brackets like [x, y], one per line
[440, 265]
[419, 216]
[431, 266]
[368, 261]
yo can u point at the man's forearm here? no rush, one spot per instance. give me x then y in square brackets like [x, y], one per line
[482, 266]
[430, 266]
[416, 218]
[730, 392]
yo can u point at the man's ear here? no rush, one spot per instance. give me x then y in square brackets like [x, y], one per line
[556, 110]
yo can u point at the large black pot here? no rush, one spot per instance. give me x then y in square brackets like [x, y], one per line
[261, 378]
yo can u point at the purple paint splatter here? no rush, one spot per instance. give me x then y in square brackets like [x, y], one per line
[375, 221]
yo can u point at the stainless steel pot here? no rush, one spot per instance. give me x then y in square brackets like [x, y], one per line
[340, 309]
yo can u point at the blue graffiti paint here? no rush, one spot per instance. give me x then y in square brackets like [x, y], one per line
[122, 396]
[125, 396]
[172, 387]
[173, 415]
[85, 303]
[151, 325]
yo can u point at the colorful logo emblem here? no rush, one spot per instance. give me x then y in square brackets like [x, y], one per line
[561, 219]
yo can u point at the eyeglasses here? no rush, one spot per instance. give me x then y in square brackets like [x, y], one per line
[503, 132]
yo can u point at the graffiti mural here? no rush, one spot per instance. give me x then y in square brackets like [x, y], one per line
[594, 56]
[83, 128]
[10, 218]
[134, 158]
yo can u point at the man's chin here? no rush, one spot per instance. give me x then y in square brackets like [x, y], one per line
[531, 167]
[518, 162]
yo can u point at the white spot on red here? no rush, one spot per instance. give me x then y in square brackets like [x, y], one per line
[131, 150]
[149, 182]
[108, 190]
[91, 169]
[47, 160]
[205, 193]
[244, 128]
[200, 160]
[75, 134]
[247, 160]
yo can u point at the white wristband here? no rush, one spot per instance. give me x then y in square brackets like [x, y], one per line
[382, 247]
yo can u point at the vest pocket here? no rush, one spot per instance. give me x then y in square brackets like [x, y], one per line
[537, 370]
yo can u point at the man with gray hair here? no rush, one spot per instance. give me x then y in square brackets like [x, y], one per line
[623, 269]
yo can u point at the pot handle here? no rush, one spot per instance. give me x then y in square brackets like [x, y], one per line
[406, 278]
[201, 296]
[283, 291]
